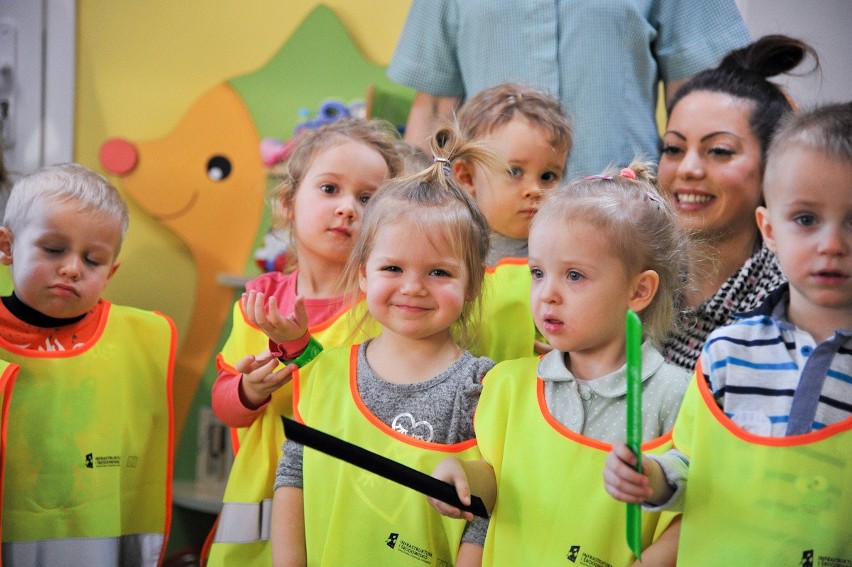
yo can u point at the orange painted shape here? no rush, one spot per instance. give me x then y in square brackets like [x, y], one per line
[205, 182]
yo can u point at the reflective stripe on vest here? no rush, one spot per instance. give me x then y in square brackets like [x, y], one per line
[765, 500]
[244, 522]
[259, 445]
[89, 456]
[352, 516]
[141, 550]
[552, 508]
[506, 305]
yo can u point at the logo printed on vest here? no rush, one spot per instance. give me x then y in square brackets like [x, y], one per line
[573, 553]
[412, 550]
[574, 556]
[808, 558]
[95, 461]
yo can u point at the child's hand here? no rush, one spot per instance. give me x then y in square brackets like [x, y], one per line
[451, 470]
[265, 315]
[259, 379]
[621, 479]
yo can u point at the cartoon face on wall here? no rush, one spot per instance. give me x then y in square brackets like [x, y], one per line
[205, 181]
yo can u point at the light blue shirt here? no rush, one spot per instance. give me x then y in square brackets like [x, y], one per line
[602, 58]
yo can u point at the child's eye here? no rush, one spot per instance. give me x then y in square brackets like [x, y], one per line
[805, 220]
[536, 273]
[391, 269]
[51, 250]
[92, 261]
[363, 198]
[328, 188]
[440, 273]
[515, 172]
[574, 275]
[550, 177]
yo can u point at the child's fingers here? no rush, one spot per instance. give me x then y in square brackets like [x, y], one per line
[447, 510]
[623, 482]
[300, 312]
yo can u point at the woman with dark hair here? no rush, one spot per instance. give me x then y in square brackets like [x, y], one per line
[720, 125]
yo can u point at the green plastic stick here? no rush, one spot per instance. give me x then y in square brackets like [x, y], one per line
[633, 327]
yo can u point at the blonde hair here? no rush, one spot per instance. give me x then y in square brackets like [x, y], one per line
[826, 129]
[641, 227]
[378, 134]
[432, 201]
[492, 108]
[67, 183]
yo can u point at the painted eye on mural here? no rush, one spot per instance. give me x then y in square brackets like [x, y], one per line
[218, 168]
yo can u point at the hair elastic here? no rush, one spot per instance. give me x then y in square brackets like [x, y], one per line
[446, 162]
[627, 172]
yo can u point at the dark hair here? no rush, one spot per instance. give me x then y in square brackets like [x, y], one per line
[743, 73]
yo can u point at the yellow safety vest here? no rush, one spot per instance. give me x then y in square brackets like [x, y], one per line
[88, 463]
[507, 329]
[753, 500]
[352, 516]
[242, 530]
[552, 508]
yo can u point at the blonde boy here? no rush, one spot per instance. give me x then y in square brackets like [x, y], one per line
[89, 443]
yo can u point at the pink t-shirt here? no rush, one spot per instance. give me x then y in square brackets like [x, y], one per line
[229, 403]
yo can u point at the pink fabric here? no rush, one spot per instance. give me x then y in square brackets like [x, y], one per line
[228, 399]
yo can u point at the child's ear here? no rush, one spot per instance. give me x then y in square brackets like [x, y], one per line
[6, 238]
[113, 269]
[362, 279]
[761, 215]
[464, 172]
[643, 291]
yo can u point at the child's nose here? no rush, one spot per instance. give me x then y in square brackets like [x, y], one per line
[71, 267]
[412, 285]
[533, 189]
[834, 241]
[346, 207]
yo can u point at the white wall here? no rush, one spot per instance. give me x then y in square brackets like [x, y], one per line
[42, 82]
[824, 24]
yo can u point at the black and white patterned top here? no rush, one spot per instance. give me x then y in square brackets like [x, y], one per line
[743, 292]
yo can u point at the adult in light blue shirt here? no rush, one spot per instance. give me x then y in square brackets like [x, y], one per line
[602, 58]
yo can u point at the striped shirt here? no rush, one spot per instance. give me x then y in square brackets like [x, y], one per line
[771, 378]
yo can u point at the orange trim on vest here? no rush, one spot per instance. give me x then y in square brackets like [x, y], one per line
[805, 438]
[582, 439]
[384, 427]
[507, 261]
[96, 336]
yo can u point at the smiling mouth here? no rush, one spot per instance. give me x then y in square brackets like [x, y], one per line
[178, 213]
[693, 198]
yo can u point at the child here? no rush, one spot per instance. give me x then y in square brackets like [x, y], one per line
[766, 426]
[529, 129]
[89, 444]
[330, 176]
[409, 393]
[598, 246]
